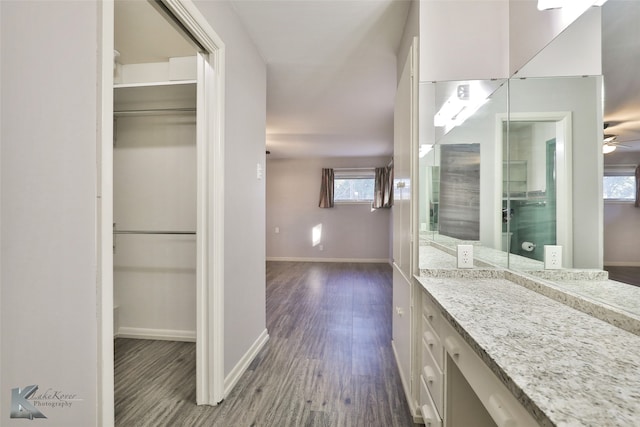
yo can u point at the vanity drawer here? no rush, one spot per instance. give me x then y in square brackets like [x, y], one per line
[432, 315]
[431, 343]
[434, 379]
[430, 414]
[501, 405]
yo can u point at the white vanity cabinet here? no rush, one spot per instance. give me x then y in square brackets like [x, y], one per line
[431, 367]
[457, 389]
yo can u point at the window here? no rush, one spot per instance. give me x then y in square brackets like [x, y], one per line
[619, 183]
[353, 185]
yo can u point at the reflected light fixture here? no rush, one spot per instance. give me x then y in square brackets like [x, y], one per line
[550, 4]
[608, 146]
[460, 106]
[424, 149]
[559, 4]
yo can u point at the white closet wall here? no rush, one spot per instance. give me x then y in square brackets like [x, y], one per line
[155, 192]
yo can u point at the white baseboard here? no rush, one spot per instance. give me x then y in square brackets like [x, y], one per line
[362, 260]
[622, 264]
[413, 407]
[156, 334]
[234, 376]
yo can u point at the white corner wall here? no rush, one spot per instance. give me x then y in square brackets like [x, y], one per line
[48, 191]
[350, 232]
[244, 211]
[621, 234]
[530, 30]
[463, 39]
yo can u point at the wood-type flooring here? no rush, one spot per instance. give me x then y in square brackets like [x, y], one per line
[328, 361]
[629, 275]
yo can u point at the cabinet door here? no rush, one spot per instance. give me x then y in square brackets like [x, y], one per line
[402, 334]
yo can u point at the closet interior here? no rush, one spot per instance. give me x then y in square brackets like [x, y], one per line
[154, 177]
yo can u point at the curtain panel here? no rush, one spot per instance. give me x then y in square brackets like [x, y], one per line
[637, 203]
[383, 190]
[326, 188]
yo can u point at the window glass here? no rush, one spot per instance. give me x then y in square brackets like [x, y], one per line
[353, 185]
[619, 187]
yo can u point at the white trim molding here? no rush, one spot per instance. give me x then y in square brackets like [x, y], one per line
[156, 334]
[564, 177]
[104, 220]
[303, 259]
[244, 362]
[210, 282]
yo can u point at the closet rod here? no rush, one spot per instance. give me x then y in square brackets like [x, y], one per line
[152, 232]
[157, 110]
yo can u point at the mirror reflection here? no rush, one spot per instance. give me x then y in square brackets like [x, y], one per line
[539, 177]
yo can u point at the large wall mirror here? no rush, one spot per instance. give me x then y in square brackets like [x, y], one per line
[514, 165]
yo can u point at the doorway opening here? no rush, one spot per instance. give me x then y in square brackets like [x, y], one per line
[160, 176]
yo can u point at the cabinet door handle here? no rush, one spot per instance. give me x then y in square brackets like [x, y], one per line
[429, 339]
[500, 413]
[429, 374]
[428, 417]
[428, 314]
[452, 346]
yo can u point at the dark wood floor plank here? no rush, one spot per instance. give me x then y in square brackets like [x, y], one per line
[629, 275]
[328, 361]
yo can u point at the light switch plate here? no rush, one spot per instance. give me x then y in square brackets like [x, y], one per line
[552, 257]
[465, 256]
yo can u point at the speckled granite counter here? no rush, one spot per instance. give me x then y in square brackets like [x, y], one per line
[586, 290]
[566, 367]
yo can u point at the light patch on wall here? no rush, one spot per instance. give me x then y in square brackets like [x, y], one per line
[316, 235]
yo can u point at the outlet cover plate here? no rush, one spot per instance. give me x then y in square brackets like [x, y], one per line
[552, 257]
[465, 256]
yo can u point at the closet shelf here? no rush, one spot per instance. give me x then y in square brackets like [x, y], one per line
[154, 84]
[154, 111]
[163, 97]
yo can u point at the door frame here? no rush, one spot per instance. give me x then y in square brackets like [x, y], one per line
[210, 208]
[564, 177]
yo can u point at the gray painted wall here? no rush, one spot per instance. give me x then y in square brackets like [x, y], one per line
[621, 220]
[48, 173]
[349, 231]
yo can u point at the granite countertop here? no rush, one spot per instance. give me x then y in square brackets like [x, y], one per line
[621, 295]
[566, 367]
[586, 290]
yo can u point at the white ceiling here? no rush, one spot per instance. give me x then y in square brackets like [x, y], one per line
[331, 73]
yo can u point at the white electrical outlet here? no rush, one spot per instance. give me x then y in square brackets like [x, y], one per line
[552, 257]
[465, 256]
